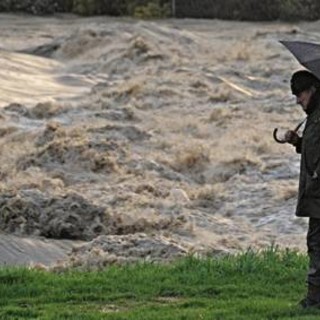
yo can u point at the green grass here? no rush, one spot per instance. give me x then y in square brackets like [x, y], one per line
[264, 285]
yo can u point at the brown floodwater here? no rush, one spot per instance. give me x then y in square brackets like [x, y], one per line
[135, 139]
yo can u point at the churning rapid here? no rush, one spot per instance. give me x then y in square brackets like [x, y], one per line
[127, 139]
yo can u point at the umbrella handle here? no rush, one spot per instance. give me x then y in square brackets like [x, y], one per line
[295, 130]
[276, 138]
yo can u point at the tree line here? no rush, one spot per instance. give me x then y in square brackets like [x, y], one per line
[250, 10]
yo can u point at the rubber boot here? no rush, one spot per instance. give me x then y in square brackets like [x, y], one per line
[312, 299]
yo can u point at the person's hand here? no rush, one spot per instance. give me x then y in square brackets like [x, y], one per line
[291, 137]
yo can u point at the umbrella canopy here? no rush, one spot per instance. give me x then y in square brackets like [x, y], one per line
[307, 53]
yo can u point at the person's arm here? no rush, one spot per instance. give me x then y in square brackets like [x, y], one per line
[298, 145]
[313, 150]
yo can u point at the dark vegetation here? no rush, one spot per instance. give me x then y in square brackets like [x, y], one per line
[145, 8]
[251, 10]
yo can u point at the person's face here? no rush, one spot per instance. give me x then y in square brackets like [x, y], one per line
[303, 98]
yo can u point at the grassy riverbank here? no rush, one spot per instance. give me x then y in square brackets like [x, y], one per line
[266, 285]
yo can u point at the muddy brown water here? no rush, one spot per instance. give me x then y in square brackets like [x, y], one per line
[121, 133]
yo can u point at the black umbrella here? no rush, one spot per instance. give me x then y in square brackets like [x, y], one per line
[307, 53]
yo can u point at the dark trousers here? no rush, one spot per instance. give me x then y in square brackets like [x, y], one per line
[313, 244]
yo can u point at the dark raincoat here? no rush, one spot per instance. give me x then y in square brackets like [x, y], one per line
[309, 146]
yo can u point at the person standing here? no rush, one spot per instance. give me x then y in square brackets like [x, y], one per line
[306, 87]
